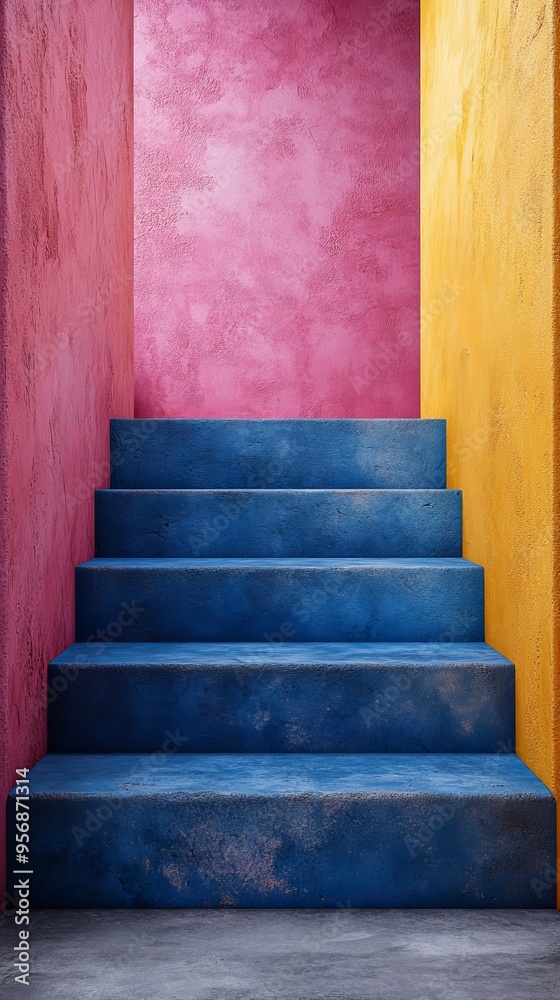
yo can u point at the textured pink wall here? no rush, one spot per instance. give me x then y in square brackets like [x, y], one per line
[277, 201]
[66, 324]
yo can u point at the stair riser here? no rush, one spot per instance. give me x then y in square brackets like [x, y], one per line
[357, 850]
[277, 523]
[275, 454]
[254, 604]
[319, 709]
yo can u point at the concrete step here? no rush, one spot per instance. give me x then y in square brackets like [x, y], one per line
[283, 523]
[274, 454]
[263, 600]
[287, 698]
[289, 830]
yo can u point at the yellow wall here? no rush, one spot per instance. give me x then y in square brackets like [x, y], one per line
[489, 306]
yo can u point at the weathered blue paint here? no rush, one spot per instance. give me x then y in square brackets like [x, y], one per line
[303, 600]
[288, 698]
[299, 830]
[258, 653]
[274, 454]
[282, 523]
[326, 611]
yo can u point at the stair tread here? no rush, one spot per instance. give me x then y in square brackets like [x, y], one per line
[257, 422]
[283, 490]
[287, 653]
[447, 562]
[501, 775]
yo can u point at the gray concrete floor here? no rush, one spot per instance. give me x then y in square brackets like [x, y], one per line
[288, 955]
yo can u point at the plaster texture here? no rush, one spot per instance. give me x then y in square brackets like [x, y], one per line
[342, 954]
[311, 697]
[295, 830]
[490, 361]
[284, 523]
[65, 326]
[274, 454]
[268, 600]
[277, 208]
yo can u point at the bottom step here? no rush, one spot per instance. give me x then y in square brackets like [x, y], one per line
[290, 830]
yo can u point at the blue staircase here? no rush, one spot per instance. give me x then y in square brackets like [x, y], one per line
[280, 693]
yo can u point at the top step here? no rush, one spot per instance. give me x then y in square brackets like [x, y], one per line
[277, 454]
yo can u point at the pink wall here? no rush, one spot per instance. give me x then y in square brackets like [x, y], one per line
[65, 325]
[277, 194]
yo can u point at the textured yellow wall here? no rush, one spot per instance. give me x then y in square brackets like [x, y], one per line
[489, 306]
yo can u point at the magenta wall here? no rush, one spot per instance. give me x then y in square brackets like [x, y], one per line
[277, 208]
[65, 326]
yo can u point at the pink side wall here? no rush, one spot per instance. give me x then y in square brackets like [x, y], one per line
[65, 325]
[277, 218]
